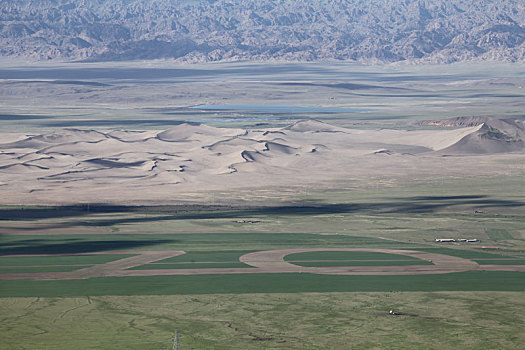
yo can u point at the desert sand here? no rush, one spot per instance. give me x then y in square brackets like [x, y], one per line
[117, 166]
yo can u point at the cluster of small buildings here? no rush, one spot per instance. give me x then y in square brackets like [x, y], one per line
[247, 221]
[449, 240]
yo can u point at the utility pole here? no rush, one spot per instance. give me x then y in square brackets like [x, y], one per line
[176, 340]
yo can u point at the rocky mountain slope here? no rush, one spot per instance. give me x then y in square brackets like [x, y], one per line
[216, 30]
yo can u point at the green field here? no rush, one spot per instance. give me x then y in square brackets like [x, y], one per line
[331, 259]
[500, 262]
[51, 268]
[199, 265]
[264, 283]
[214, 250]
[358, 263]
[59, 260]
[215, 256]
[465, 310]
[346, 256]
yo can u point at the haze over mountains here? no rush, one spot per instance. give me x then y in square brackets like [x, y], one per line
[438, 31]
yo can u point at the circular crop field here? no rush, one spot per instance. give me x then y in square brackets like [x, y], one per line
[349, 261]
[351, 258]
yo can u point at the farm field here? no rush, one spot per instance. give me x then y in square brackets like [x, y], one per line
[249, 310]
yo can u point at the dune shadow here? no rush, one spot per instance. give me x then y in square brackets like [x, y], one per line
[81, 215]
[73, 246]
[56, 212]
[15, 117]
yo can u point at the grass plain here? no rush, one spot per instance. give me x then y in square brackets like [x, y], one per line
[431, 320]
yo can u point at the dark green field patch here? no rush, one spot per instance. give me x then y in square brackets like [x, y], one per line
[460, 253]
[60, 259]
[32, 269]
[501, 262]
[349, 255]
[215, 256]
[264, 283]
[199, 242]
[360, 263]
[203, 265]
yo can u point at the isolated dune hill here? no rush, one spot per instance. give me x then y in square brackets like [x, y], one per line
[489, 139]
[433, 140]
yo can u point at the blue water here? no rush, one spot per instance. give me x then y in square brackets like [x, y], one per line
[275, 108]
[231, 120]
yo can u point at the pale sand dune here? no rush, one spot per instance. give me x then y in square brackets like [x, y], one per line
[314, 126]
[73, 165]
[491, 138]
[196, 132]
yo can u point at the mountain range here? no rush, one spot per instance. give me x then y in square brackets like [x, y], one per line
[435, 31]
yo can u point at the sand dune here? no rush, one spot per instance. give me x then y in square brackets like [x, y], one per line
[195, 132]
[493, 136]
[93, 165]
[313, 126]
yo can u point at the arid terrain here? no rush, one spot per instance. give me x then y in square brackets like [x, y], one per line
[74, 165]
